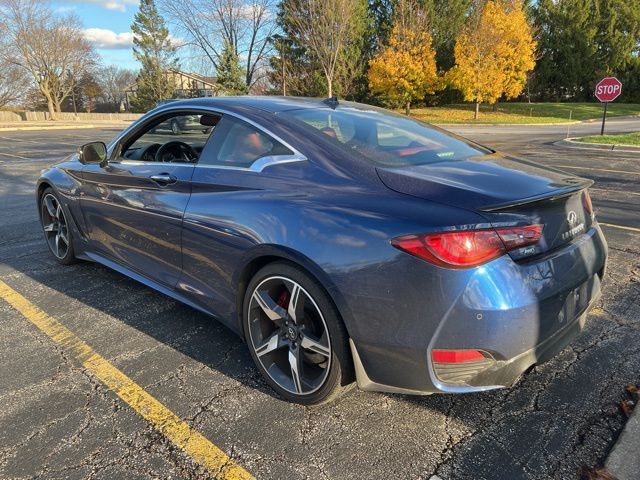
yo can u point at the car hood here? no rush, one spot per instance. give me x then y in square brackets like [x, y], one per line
[487, 182]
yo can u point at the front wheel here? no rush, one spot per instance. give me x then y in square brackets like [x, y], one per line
[295, 335]
[56, 228]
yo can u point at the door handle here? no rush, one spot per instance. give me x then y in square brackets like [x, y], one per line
[163, 179]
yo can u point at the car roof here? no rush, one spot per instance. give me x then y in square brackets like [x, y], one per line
[273, 104]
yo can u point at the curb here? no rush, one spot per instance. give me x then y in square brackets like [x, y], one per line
[623, 461]
[504, 124]
[574, 143]
[61, 127]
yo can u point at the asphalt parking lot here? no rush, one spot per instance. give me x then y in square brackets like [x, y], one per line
[58, 421]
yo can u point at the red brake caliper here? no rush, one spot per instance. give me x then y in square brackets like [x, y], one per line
[283, 298]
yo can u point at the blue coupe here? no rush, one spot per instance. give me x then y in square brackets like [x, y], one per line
[342, 241]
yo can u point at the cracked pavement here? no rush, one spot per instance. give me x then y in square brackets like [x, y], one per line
[57, 421]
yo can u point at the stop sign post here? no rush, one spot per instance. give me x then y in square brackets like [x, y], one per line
[607, 90]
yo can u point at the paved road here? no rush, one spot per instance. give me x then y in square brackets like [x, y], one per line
[58, 421]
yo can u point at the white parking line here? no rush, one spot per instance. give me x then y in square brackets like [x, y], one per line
[613, 191]
[597, 169]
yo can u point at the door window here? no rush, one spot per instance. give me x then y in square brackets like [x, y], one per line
[238, 144]
[179, 138]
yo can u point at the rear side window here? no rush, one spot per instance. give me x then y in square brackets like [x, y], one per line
[236, 143]
[385, 139]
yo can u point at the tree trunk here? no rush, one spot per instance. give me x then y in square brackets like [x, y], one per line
[330, 86]
[495, 107]
[50, 104]
[407, 108]
[477, 111]
[58, 104]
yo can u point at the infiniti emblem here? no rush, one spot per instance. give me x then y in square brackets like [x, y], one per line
[572, 218]
[292, 333]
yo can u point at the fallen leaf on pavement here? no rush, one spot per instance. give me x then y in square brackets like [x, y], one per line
[593, 473]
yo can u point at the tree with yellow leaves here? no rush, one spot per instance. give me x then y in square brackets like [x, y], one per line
[405, 70]
[493, 53]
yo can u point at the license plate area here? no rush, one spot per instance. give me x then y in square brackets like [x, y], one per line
[578, 300]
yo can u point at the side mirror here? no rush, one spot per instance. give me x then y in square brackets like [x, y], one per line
[94, 152]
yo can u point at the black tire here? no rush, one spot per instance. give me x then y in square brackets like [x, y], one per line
[338, 376]
[59, 225]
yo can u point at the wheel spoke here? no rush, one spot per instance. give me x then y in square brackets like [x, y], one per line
[58, 244]
[51, 208]
[309, 343]
[293, 302]
[52, 227]
[271, 309]
[271, 345]
[297, 355]
[64, 237]
[295, 370]
[59, 214]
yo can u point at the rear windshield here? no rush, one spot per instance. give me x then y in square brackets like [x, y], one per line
[386, 139]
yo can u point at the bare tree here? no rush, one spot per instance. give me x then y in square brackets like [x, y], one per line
[114, 82]
[50, 48]
[209, 25]
[12, 84]
[324, 27]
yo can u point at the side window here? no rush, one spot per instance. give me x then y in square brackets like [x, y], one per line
[239, 144]
[177, 138]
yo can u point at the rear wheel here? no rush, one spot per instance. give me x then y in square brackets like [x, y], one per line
[56, 228]
[295, 335]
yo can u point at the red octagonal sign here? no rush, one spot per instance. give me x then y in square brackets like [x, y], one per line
[608, 89]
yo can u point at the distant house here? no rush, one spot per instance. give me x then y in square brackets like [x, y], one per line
[187, 85]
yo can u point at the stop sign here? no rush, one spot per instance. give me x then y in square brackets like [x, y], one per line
[608, 89]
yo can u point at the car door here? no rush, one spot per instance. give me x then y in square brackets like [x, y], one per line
[227, 205]
[133, 206]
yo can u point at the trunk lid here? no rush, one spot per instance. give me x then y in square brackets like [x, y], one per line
[505, 191]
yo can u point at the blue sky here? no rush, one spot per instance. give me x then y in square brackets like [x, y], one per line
[107, 25]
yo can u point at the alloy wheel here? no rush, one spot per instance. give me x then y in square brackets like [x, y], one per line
[289, 335]
[55, 226]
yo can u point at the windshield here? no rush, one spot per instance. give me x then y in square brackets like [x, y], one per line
[386, 139]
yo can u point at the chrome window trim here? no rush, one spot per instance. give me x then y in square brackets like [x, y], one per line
[257, 166]
[260, 164]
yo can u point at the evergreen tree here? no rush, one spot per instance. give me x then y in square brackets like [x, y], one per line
[447, 21]
[231, 76]
[155, 52]
[581, 41]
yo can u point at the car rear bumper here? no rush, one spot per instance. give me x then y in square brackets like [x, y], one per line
[519, 314]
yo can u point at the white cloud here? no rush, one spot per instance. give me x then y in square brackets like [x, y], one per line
[116, 5]
[103, 38]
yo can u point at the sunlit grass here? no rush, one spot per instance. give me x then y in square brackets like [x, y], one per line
[519, 113]
[622, 139]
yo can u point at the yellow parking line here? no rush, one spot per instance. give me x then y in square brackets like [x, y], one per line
[621, 227]
[168, 423]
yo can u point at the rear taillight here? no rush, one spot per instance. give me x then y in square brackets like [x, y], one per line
[468, 248]
[586, 201]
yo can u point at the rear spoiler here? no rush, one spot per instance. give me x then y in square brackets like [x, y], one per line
[580, 184]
